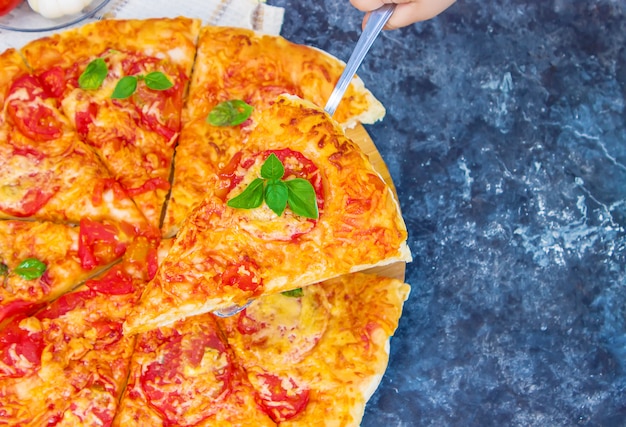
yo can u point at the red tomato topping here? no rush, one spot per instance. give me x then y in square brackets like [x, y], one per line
[266, 95]
[16, 307]
[107, 333]
[65, 304]
[33, 118]
[35, 197]
[191, 375]
[115, 282]
[53, 81]
[247, 325]
[98, 244]
[143, 253]
[20, 350]
[243, 275]
[102, 186]
[85, 118]
[150, 185]
[281, 398]
[152, 263]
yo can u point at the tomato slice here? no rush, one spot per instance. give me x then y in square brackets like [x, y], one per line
[115, 282]
[150, 185]
[53, 81]
[20, 349]
[84, 118]
[248, 325]
[17, 307]
[98, 244]
[267, 94]
[102, 186]
[191, 373]
[65, 304]
[281, 398]
[28, 194]
[28, 111]
[244, 275]
[108, 333]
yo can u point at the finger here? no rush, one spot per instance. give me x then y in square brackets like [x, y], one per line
[367, 5]
[409, 13]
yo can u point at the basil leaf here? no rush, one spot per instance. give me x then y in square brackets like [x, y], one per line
[229, 113]
[125, 87]
[272, 168]
[156, 80]
[30, 268]
[302, 198]
[295, 293]
[276, 196]
[4, 269]
[250, 198]
[94, 74]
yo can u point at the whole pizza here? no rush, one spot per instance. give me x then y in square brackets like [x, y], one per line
[186, 237]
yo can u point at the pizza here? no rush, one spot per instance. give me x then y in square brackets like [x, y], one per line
[155, 174]
[224, 256]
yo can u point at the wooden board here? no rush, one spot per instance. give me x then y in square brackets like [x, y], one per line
[360, 136]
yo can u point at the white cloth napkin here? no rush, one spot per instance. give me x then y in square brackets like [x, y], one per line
[252, 14]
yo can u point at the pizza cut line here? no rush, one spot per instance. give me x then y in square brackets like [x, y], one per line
[155, 171]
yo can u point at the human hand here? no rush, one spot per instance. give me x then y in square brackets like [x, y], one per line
[407, 11]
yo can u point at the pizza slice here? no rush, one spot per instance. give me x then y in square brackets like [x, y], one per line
[46, 173]
[67, 364]
[317, 355]
[300, 204]
[40, 261]
[122, 83]
[239, 64]
[186, 375]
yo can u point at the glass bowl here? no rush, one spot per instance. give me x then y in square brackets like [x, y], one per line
[24, 19]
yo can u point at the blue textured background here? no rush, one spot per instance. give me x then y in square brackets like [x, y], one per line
[505, 135]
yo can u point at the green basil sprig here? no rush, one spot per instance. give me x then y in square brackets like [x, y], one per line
[30, 268]
[94, 75]
[127, 85]
[294, 293]
[297, 193]
[229, 113]
[97, 70]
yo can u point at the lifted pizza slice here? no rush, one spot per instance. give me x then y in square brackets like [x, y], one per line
[300, 204]
[242, 65]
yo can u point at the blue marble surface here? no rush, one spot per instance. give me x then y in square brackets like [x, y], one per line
[506, 137]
